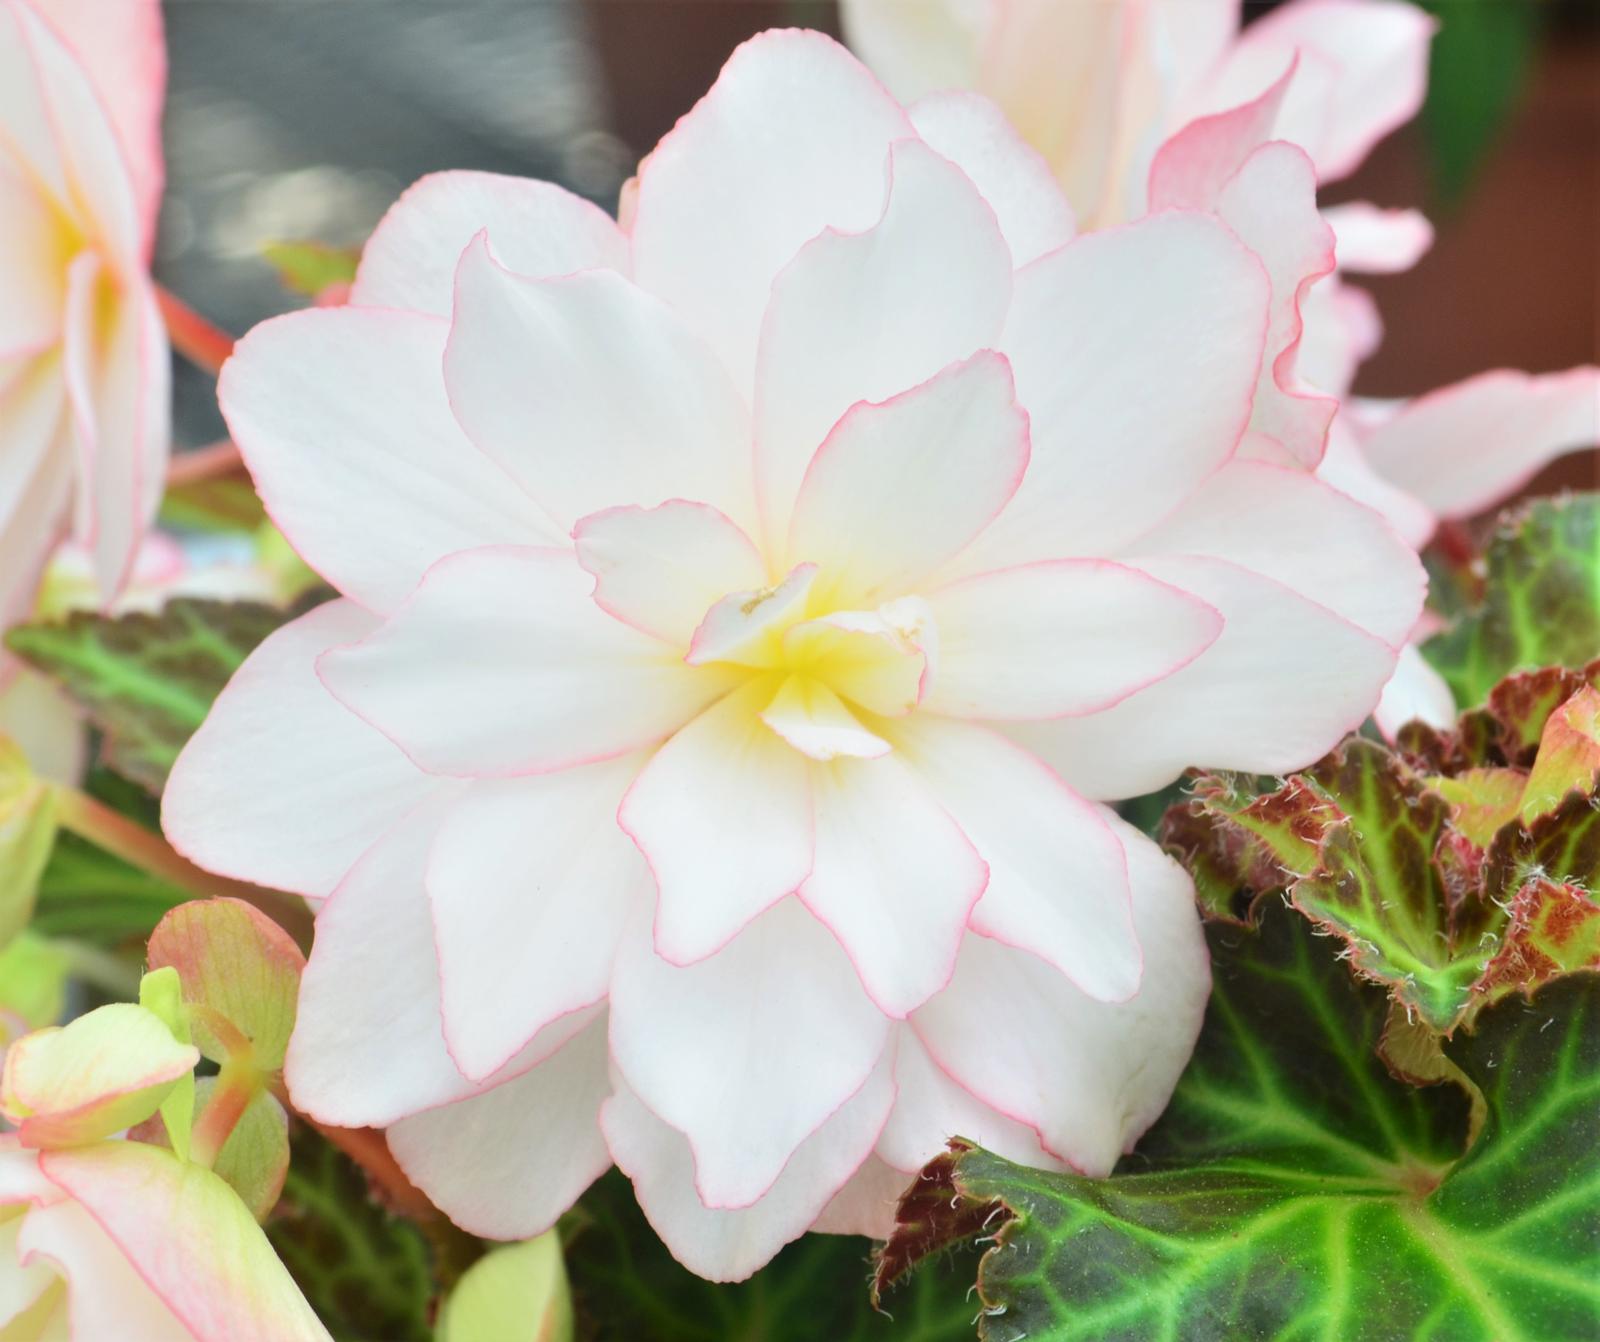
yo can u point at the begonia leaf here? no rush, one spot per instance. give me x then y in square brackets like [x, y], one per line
[146, 681]
[1294, 1188]
[1541, 603]
[240, 974]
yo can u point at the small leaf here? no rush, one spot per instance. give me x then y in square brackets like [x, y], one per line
[516, 1293]
[239, 969]
[27, 834]
[147, 681]
[255, 1158]
[161, 994]
[1569, 755]
[311, 268]
[1542, 597]
[1295, 1189]
[103, 1072]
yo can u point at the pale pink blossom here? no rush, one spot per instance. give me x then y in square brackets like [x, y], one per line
[1143, 104]
[745, 614]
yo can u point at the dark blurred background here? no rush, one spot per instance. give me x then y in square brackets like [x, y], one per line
[303, 119]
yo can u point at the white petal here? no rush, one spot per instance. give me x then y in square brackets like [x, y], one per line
[746, 1053]
[500, 664]
[1067, 636]
[931, 1107]
[1278, 689]
[816, 722]
[728, 1245]
[863, 316]
[530, 882]
[367, 1046]
[791, 139]
[1135, 353]
[1295, 529]
[505, 1164]
[279, 756]
[866, 1204]
[342, 418]
[1058, 880]
[747, 627]
[1345, 466]
[973, 133]
[1374, 241]
[661, 569]
[723, 814]
[894, 878]
[1463, 448]
[916, 48]
[900, 487]
[536, 228]
[591, 393]
[1416, 692]
[1090, 1076]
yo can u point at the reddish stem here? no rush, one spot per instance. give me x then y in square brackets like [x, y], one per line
[202, 344]
[236, 1087]
[205, 463]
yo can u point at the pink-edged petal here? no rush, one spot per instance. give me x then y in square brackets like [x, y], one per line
[278, 755]
[1056, 68]
[1191, 168]
[1283, 683]
[536, 229]
[1270, 203]
[1375, 241]
[1088, 1076]
[53, 117]
[1058, 880]
[531, 883]
[916, 49]
[1463, 448]
[817, 723]
[592, 393]
[931, 1107]
[1341, 329]
[342, 418]
[661, 569]
[1377, 54]
[1416, 693]
[104, 1294]
[872, 658]
[790, 140]
[1058, 637]
[973, 133]
[935, 295]
[367, 1047]
[746, 1053]
[747, 627]
[213, 1267]
[722, 812]
[118, 383]
[500, 664]
[1345, 466]
[1300, 531]
[866, 1204]
[1135, 351]
[123, 51]
[31, 242]
[37, 476]
[894, 878]
[45, 725]
[506, 1163]
[900, 487]
[728, 1245]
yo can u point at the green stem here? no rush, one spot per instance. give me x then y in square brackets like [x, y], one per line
[143, 848]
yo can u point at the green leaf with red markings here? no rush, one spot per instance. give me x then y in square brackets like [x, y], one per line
[1295, 1189]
